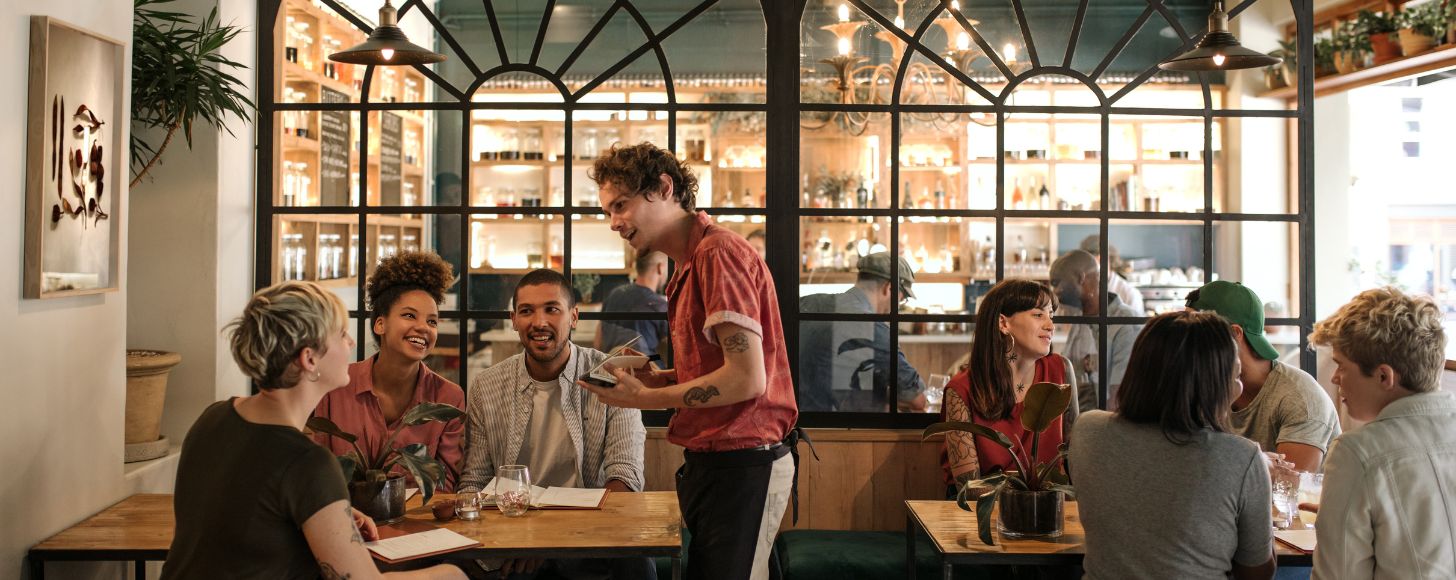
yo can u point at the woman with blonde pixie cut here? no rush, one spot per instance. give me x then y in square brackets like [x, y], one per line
[255, 498]
[1386, 509]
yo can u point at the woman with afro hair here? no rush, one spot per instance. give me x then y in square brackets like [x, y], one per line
[404, 295]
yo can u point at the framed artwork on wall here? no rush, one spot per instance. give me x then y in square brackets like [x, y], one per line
[75, 158]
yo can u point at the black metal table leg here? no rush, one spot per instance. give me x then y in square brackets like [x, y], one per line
[910, 547]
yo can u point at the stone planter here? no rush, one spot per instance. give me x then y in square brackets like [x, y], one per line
[1030, 514]
[1274, 79]
[146, 391]
[1385, 47]
[385, 505]
[1412, 43]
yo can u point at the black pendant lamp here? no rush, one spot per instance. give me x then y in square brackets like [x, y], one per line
[387, 46]
[1219, 49]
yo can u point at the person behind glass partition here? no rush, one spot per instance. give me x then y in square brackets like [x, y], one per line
[834, 356]
[643, 294]
[1075, 276]
[1282, 408]
[1386, 509]
[759, 240]
[404, 295]
[1010, 350]
[1116, 282]
[528, 410]
[255, 497]
[1165, 489]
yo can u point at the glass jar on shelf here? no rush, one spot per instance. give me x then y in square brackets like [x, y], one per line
[410, 243]
[585, 143]
[534, 257]
[532, 150]
[610, 136]
[353, 265]
[387, 246]
[407, 194]
[300, 256]
[510, 144]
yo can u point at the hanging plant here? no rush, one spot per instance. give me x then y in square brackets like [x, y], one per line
[178, 76]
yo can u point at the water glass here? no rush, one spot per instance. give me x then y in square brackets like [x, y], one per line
[467, 506]
[935, 392]
[1310, 486]
[513, 490]
[1285, 494]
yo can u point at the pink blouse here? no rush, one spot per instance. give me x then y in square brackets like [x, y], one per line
[355, 409]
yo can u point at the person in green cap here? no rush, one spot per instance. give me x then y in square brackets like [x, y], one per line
[835, 355]
[1282, 408]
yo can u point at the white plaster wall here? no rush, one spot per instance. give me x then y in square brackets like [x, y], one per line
[64, 384]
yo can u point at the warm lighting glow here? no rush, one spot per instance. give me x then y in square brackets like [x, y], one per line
[844, 47]
[1008, 53]
[963, 41]
[387, 53]
[1218, 59]
[955, 5]
[843, 13]
[899, 22]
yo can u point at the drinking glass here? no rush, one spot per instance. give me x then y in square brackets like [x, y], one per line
[935, 392]
[467, 506]
[513, 490]
[1310, 486]
[1285, 494]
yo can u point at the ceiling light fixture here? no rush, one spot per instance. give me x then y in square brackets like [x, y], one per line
[387, 46]
[1219, 49]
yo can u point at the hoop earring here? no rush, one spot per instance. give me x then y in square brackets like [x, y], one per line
[315, 377]
[1011, 349]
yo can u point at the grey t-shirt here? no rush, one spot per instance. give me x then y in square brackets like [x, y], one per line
[547, 449]
[1290, 408]
[1155, 509]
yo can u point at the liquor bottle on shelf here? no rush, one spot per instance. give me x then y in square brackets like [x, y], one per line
[851, 253]
[555, 255]
[922, 257]
[905, 201]
[1017, 201]
[807, 257]
[939, 194]
[748, 199]
[1020, 255]
[353, 255]
[948, 259]
[988, 257]
[806, 198]
[862, 195]
[925, 201]
[728, 199]
[825, 250]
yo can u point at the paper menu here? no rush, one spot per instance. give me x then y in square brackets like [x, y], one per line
[1303, 540]
[560, 497]
[419, 544]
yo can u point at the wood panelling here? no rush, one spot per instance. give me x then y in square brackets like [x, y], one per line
[860, 482]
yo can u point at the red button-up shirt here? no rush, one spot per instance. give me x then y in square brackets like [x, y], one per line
[355, 409]
[726, 281]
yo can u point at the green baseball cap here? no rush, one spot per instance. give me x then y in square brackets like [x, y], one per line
[1240, 306]
[878, 265]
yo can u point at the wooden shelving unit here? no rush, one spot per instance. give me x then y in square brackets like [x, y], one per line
[318, 161]
[1438, 58]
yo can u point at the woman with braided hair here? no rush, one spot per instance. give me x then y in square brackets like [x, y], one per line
[404, 296]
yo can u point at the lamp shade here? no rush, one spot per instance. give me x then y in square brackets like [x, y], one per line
[1218, 50]
[387, 46]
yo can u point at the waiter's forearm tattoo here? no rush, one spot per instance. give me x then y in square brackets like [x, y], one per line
[357, 539]
[328, 572]
[736, 343]
[699, 396]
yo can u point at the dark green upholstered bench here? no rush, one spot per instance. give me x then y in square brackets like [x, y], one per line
[848, 555]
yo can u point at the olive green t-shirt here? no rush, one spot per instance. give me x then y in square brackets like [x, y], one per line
[243, 492]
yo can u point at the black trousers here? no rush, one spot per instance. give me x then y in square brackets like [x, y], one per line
[724, 497]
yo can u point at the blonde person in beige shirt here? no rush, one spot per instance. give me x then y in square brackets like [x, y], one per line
[1386, 510]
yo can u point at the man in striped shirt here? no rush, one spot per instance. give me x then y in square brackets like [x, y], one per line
[528, 410]
[730, 385]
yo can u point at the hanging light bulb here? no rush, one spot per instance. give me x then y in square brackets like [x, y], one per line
[843, 13]
[963, 41]
[844, 47]
[387, 45]
[1219, 49]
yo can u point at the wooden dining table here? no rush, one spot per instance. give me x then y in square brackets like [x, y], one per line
[955, 535]
[139, 529]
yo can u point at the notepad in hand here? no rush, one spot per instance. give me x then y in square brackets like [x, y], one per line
[418, 545]
[1302, 540]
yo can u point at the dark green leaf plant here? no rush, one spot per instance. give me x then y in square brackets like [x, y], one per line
[178, 77]
[427, 471]
[1044, 403]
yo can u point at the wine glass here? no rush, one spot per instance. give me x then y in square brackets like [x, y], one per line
[513, 490]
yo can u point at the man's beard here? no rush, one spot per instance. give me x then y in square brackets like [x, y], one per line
[560, 346]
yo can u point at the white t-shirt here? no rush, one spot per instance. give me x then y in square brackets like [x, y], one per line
[547, 449]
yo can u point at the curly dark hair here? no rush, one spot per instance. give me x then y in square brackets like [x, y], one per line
[637, 169]
[402, 273]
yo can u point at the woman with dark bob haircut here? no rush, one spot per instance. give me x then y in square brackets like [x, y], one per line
[1164, 473]
[1011, 350]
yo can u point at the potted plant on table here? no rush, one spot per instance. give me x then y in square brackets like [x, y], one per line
[1419, 27]
[1031, 496]
[372, 489]
[1380, 29]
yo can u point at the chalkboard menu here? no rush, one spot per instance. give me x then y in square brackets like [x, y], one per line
[334, 151]
[389, 158]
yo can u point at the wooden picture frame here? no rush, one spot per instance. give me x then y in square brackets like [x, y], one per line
[75, 159]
